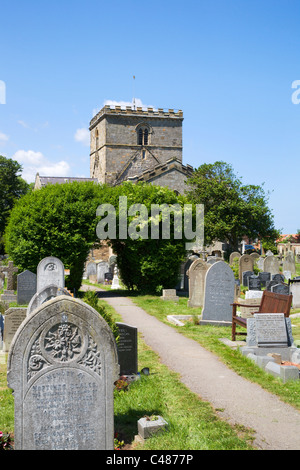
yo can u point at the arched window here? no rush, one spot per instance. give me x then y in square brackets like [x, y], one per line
[143, 135]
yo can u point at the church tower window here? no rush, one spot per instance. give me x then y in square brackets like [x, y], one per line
[143, 135]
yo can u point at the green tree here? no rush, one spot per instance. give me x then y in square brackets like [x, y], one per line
[149, 264]
[231, 209]
[61, 220]
[12, 187]
[57, 220]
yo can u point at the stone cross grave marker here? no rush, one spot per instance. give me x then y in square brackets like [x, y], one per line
[11, 270]
[62, 366]
[218, 294]
[50, 271]
[127, 349]
[26, 287]
[196, 274]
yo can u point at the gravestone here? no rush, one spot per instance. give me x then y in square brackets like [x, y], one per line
[278, 277]
[44, 295]
[12, 320]
[254, 283]
[50, 271]
[169, 294]
[252, 305]
[246, 275]
[270, 284]
[2, 279]
[108, 277]
[62, 366]
[8, 296]
[218, 294]
[196, 274]
[295, 291]
[127, 349]
[255, 257]
[271, 264]
[289, 262]
[115, 282]
[102, 268]
[253, 294]
[234, 255]
[281, 289]
[186, 268]
[11, 272]
[26, 287]
[271, 330]
[260, 263]
[264, 278]
[245, 264]
[287, 275]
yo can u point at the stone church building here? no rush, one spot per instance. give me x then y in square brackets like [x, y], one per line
[134, 144]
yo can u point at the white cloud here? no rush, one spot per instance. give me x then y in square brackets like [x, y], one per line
[123, 104]
[35, 162]
[3, 137]
[83, 135]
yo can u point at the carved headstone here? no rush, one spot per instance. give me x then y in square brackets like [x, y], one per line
[62, 366]
[50, 271]
[13, 318]
[44, 295]
[271, 264]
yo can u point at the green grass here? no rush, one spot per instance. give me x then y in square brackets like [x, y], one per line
[209, 337]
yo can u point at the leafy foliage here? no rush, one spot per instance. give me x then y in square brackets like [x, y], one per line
[12, 187]
[231, 209]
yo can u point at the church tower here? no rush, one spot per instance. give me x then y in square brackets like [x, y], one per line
[137, 145]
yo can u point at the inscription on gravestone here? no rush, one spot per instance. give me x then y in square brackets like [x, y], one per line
[127, 349]
[62, 366]
[50, 271]
[271, 330]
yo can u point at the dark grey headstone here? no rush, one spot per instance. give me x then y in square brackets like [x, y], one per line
[254, 283]
[264, 278]
[127, 349]
[26, 287]
[218, 293]
[278, 277]
[62, 366]
[270, 284]
[246, 274]
[281, 289]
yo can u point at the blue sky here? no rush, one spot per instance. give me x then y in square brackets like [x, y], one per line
[228, 64]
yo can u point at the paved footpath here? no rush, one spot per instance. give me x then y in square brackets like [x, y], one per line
[277, 424]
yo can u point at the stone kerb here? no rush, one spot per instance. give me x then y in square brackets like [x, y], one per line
[62, 366]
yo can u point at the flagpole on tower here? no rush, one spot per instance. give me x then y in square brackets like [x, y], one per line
[133, 92]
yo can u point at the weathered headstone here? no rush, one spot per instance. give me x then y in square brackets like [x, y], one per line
[254, 283]
[289, 263]
[271, 264]
[102, 268]
[270, 284]
[287, 275]
[8, 296]
[12, 320]
[50, 271]
[127, 349]
[169, 294]
[245, 264]
[26, 287]
[62, 366]
[186, 268]
[234, 255]
[218, 294]
[260, 263]
[196, 274]
[48, 293]
[295, 290]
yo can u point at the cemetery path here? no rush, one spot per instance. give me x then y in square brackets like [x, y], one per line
[276, 424]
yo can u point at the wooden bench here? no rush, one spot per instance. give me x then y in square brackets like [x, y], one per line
[270, 303]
